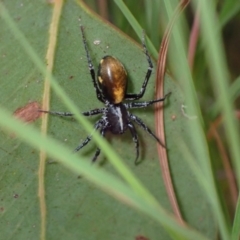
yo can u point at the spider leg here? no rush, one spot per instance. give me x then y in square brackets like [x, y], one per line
[64, 114]
[133, 96]
[98, 149]
[88, 139]
[93, 112]
[144, 104]
[68, 114]
[135, 139]
[145, 127]
[91, 68]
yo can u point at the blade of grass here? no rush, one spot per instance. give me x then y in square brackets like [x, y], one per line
[135, 25]
[159, 120]
[236, 224]
[220, 82]
[229, 9]
[234, 93]
[220, 79]
[199, 142]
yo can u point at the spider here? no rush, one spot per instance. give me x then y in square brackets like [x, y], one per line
[110, 87]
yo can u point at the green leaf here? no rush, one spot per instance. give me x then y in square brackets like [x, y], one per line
[75, 208]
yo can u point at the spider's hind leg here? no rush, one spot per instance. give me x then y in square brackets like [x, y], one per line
[135, 139]
[98, 149]
[146, 128]
[89, 138]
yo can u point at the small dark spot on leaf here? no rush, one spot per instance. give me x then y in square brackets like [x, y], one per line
[18, 18]
[15, 195]
[29, 113]
[78, 215]
[1, 209]
[71, 77]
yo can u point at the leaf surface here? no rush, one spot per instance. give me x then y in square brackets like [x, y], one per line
[75, 208]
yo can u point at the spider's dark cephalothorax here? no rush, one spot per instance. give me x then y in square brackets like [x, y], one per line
[110, 87]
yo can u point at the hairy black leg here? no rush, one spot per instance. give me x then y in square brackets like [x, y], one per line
[68, 114]
[98, 149]
[145, 127]
[64, 114]
[135, 139]
[91, 69]
[88, 139]
[133, 96]
[94, 112]
[144, 104]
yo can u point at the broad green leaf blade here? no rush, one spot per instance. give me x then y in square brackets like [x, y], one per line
[21, 83]
[75, 208]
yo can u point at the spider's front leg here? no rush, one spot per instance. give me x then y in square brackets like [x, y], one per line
[68, 114]
[145, 104]
[64, 114]
[133, 96]
[91, 69]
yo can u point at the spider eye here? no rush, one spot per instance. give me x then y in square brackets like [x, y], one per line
[112, 78]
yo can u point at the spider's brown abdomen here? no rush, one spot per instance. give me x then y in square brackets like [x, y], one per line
[112, 78]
